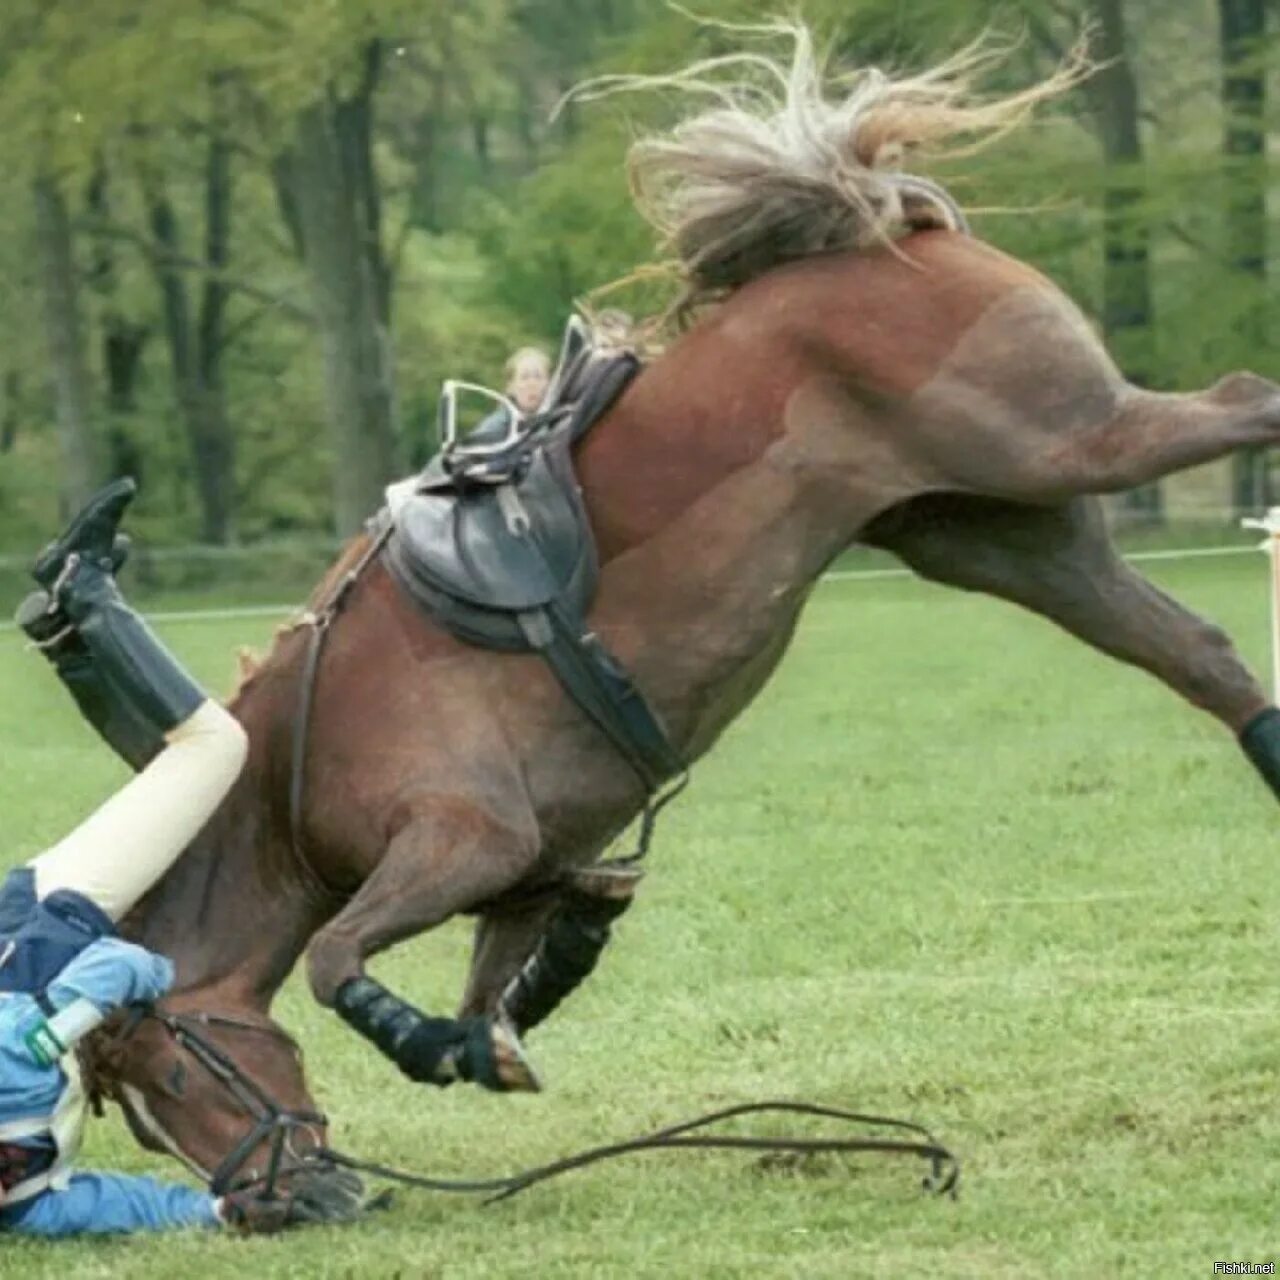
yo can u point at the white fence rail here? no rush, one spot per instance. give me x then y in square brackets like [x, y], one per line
[836, 575]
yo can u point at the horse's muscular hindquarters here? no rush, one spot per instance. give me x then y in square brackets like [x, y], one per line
[1028, 406]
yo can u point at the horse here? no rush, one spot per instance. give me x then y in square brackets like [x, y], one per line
[858, 370]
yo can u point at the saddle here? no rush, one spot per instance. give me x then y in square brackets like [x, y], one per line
[492, 540]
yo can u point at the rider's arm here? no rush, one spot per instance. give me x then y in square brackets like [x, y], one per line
[111, 972]
[105, 975]
[109, 1204]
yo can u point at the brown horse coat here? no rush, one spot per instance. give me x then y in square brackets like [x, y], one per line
[941, 400]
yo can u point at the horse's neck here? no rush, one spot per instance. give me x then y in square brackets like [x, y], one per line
[228, 914]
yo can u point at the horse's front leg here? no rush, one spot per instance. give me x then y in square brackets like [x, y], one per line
[1059, 562]
[450, 857]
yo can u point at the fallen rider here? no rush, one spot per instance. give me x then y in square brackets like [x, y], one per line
[63, 966]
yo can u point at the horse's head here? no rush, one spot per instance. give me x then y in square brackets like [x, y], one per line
[208, 1077]
[223, 1093]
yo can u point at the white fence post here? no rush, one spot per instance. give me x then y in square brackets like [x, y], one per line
[1270, 524]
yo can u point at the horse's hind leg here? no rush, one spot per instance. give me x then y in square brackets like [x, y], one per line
[529, 958]
[1029, 407]
[1059, 562]
[450, 857]
[1151, 434]
[504, 940]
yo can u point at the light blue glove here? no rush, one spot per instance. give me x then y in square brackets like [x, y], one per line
[112, 972]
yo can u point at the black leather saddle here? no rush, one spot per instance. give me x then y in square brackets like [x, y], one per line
[493, 541]
[488, 536]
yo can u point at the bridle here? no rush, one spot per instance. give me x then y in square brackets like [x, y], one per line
[272, 1123]
[278, 1125]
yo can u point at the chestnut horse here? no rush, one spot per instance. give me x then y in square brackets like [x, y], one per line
[879, 377]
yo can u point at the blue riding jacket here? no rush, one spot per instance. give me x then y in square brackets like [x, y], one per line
[66, 949]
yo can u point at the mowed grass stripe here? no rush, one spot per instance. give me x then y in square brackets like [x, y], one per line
[952, 865]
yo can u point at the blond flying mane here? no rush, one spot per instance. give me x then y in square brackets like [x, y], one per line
[788, 160]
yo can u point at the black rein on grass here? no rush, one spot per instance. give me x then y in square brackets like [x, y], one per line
[943, 1178]
[273, 1122]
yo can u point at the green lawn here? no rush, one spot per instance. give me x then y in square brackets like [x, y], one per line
[952, 866]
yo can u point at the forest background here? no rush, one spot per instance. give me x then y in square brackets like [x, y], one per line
[243, 242]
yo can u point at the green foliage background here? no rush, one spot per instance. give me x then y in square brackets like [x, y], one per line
[495, 218]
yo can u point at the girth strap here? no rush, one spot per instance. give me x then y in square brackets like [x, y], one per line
[605, 692]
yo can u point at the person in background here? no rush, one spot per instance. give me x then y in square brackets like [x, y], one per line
[528, 376]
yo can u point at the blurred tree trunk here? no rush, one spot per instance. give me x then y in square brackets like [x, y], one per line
[123, 339]
[64, 334]
[196, 344]
[480, 141]
[1127, 313]
[9, 389]
[213, 441]
[426, 144]
[336, 196]
[1242, 27]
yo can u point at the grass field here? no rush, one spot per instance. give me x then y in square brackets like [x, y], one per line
[952, 866]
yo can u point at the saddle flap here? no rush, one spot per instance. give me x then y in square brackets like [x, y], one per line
[508, 547]
[486, 535]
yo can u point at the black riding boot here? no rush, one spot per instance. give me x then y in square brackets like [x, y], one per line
[138, 672]
[92, 538]
[124, 729]
[91, 535]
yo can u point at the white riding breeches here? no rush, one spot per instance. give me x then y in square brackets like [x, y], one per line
[117, 853]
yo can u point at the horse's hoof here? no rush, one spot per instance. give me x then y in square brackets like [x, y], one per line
[511, 1071]
[614, 881]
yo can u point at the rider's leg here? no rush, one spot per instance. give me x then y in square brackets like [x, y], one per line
[91, 537]
[123, 848]
[129, 734]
